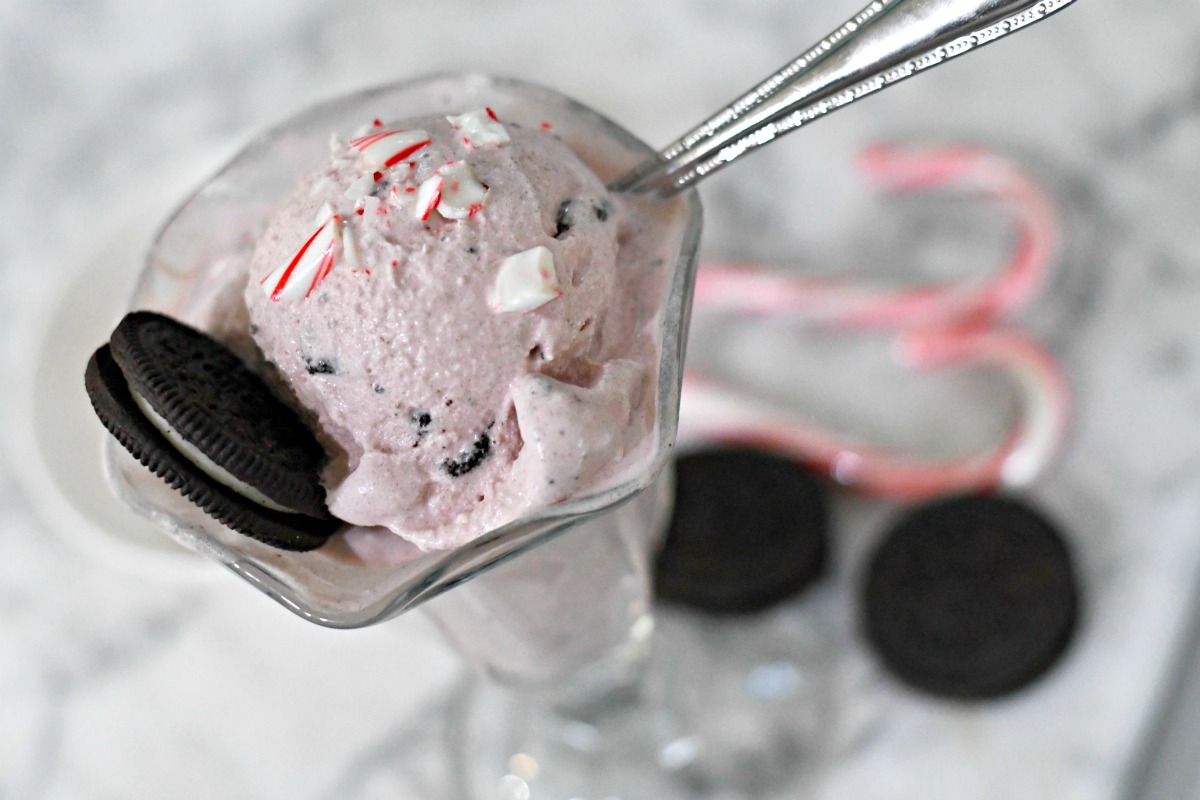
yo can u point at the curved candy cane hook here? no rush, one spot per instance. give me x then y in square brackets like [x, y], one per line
[717, 413]
[747, 289]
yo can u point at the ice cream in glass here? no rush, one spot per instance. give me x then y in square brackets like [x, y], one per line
[485, 338]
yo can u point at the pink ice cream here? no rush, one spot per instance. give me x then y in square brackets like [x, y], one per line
[457, 304]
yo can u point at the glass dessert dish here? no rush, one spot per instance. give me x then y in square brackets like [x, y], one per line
[365, 576]
[571, 619]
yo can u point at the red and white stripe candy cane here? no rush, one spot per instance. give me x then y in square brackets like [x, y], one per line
[951, 325]
[390, 147]
[299, 276]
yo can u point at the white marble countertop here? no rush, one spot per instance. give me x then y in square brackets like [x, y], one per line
[115, 684]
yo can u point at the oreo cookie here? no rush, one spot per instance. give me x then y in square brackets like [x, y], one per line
[192, 412]
[749, 531]
[971, 598]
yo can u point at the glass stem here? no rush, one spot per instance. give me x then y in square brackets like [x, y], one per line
[571, 620]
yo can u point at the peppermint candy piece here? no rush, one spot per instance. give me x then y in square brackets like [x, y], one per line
[361, 187]
[388, 148]
[453, 190]
[480, 129]
[429, 194]
[525, 281]
[350, 249]
[323, 214]
[310, 265]
[462, 193]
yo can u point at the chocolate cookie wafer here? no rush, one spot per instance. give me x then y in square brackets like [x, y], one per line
[749, 531]
[187, 408]
[971, 597]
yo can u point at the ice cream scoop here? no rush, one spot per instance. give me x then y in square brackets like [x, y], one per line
[456, 304]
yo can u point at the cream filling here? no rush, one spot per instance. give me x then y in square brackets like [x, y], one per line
[206, 465]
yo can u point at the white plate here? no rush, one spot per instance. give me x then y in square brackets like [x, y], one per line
[56, 439]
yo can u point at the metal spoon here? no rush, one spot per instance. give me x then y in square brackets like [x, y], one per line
[883, 44]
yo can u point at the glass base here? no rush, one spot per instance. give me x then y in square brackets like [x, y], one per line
[725, 709]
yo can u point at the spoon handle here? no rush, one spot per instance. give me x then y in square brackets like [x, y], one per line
[883, 44]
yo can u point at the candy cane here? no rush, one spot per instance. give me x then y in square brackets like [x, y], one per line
[941, 326]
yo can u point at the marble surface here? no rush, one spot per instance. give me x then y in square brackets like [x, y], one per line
[118, 684]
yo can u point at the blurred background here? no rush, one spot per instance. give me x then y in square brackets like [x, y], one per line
[123, 679]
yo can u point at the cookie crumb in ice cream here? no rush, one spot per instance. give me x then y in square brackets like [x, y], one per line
[320, 366]
[562, 220]
[423, 419]
[469, 459]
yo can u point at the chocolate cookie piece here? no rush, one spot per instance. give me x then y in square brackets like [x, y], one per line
[469, 459]
[749, 531]
[187, 408]
[971, 597]
[114, 404]
[218, 406]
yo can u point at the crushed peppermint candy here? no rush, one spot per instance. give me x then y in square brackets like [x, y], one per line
[401, 196]
[298, 277]
[350, 248]
[429, 194]
[361, 187]
[374, 207]
[323, 213]
[453, 190]
[388, 148]
[462, 193]
[480, 129]
[525, 281]
[401, 171]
